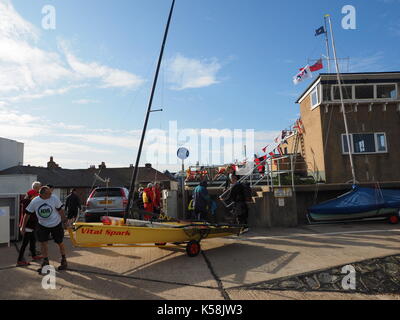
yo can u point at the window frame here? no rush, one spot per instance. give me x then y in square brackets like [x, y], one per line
[316, 90]
[374, 91]
[343, 136]
[387, 84]
[375, 98]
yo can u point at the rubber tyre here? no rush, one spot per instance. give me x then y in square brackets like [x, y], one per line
[394, 219]
[193, 248]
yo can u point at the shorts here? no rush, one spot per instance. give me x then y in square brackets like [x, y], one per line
[72, 214]
[56, 232]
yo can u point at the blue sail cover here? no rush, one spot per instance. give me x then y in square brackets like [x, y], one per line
[359, 200]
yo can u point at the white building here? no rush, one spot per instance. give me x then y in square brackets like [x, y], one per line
[11, 153]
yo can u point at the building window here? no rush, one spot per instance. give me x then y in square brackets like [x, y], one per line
[364, 143]
[364, 92]
[347, 92]
[326, 93]
[387, 91]
[315, 97]
[381, 142]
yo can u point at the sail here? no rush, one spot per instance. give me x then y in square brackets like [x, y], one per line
[359, 200]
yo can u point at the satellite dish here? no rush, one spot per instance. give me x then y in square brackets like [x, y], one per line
[183, 153]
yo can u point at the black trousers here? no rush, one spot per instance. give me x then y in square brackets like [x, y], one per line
[241, 212]
[200, 214]
[29, 238]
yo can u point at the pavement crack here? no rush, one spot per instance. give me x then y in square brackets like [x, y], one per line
[221, 288]
[141, 279]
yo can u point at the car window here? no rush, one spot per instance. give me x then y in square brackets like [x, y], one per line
[107, 193]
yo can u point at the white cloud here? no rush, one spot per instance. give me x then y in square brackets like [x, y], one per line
[28, 72]
[186, 73]
[85, 101]
[108, 77]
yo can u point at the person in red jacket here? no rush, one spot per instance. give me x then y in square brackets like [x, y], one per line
[148, 200]
[157, 198]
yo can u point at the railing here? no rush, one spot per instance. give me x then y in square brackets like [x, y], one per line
[254, 178]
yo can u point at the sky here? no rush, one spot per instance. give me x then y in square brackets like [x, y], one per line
[79, 91]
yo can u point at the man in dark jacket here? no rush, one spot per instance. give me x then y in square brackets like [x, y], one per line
[29, 236]
[72, 205]
[201, 199]
[238, 197]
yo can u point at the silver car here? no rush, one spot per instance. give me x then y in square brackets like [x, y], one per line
[106, 202]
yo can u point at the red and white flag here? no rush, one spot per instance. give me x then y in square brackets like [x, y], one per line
[304, 74]
[315, 67]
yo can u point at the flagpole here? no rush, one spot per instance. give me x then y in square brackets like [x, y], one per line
[327, 44]
[341, 100]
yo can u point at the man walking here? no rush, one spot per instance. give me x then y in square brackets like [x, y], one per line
[201, 199]
[238, 197]
[72, 205]
[29, 236]
[51, 217]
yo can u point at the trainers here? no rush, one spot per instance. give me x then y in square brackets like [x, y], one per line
[45, 263]
[23, 263]
[63, 265]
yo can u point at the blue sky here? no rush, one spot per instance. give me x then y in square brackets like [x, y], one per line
[80, 91]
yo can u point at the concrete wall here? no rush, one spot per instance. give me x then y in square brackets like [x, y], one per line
[16, 184]
[11, 153]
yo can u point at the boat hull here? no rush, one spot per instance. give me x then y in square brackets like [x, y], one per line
[324, 217]
[99, 234]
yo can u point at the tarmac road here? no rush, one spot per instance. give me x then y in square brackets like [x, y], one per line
[228, 268]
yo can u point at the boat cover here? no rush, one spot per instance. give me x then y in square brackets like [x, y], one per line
[359, 200]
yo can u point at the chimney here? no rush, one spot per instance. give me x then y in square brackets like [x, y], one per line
[147, 165]
[51, 164]
[102, 166]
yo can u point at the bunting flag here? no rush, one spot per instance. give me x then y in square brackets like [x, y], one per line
[304, 74]
[299, 126]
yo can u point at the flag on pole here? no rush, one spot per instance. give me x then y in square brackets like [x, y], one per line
[320, 31]
[317, 66]
[302, 75]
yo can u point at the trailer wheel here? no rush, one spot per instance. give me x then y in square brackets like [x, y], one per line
[193, 248]
[394, 219]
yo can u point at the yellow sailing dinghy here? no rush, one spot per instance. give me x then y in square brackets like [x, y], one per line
[138, 233]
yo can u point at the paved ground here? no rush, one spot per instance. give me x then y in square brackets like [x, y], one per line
[229, 268]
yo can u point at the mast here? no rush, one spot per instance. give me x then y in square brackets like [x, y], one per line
[341, 100]
[327, 44]
[136, 169]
